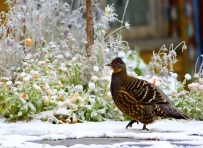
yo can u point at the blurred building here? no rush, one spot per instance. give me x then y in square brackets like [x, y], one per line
[158, 22]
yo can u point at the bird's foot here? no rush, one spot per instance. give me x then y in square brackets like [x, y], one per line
[131, 123]
[144, 127]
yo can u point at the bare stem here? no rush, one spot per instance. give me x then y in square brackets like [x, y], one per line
[89, 27]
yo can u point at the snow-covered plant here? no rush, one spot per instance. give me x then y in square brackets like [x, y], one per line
[191, 101]
[160, 71]
[162, 62]
[43, 62]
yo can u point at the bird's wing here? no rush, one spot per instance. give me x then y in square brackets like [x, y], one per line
[143, 92]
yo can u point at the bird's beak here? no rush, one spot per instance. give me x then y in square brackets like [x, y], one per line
[109, 64]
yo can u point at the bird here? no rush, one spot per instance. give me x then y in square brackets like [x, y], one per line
[139, 99]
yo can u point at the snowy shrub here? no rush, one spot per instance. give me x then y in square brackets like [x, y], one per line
[160, 73]
[191, 101]
[43, 62]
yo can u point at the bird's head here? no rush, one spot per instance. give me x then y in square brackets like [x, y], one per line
[117, 65]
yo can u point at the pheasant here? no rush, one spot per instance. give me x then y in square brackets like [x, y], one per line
[139, 99]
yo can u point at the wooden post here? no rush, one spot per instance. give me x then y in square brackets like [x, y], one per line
[89, 27]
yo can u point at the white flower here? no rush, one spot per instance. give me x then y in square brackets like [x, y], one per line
[96, 68]
[28, 56]
[193, 85]
[182, 93]
[175, 75]
[46, 86]
[184, 47]
[74, 59]
[55, 62]
[106, 79]
[110, 13]
[61, 92]
[95, 78]
[54, 91]
[107, 49]
[201, 80]
[25, 64]
[60, 57]
[67, 54]
[37, 87]
[127, 25]
[9, 83]
[174, 93]
[27, 78]
[22, 75]
[79, 88]
[60, 84]
[45, 98]
[32, 72]
[18, 83]
[42, 63]
[109, 95]
[62, 68]
[196, 76]
[201, 87]
[91, 85]
[188, 77]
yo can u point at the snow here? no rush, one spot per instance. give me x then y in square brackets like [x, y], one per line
[162, 133]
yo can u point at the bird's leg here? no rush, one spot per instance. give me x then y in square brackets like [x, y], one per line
[131, 123]
[144, 127]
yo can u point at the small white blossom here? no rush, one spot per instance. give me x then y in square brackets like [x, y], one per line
[55, 62]
[46, 86]
[188, 77]
[109, 13]
[9, 83]
[174, 93]
[95, 78]
[193, 85]
[22, 75]
[28, 56]
[79, 88]
[18, 83]
[33, 72]
[96, 68]
[127, 25]
[42, 63]
[109, 95]
[200, 87]
[91, 85]
[106, 79]
[175, 75]
[184, 47]
[60, 57]
[37, 87]
[196, 76]
[182, 93]
[27, 78]
[61, 92]
[45, 98]
[54, 91]
[62, 68]
[201, 80]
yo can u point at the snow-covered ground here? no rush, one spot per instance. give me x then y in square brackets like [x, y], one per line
[162, 133]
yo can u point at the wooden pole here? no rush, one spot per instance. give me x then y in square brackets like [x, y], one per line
[89, 27]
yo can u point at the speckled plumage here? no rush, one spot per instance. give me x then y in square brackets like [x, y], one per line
[139, 99]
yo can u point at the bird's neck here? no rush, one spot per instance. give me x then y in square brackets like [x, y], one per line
[122, 76]
[117, 81]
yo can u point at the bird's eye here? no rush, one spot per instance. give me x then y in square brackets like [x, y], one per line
[116, 63]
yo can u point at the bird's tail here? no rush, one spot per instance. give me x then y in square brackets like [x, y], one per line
[173, 112]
